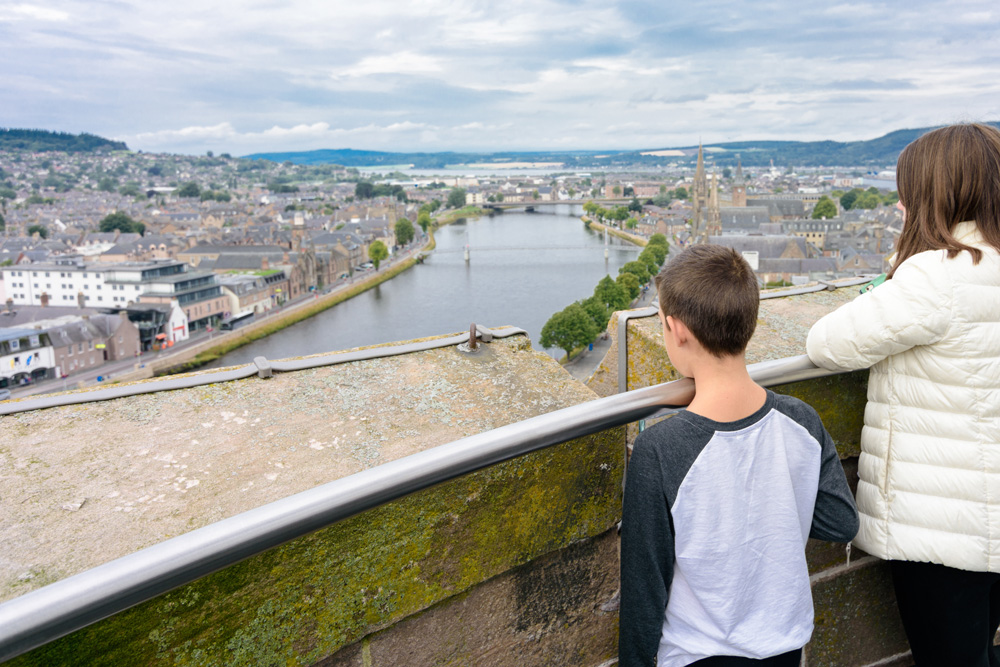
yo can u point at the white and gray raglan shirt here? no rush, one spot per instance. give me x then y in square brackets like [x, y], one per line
[714, 527]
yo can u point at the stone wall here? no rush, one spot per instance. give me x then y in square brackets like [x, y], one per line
[511, 561]
[857, 623]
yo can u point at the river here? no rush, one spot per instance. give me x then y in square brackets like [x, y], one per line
[523, 268]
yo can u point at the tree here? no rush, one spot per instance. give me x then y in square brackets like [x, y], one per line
[456, 198]
[377, 252]
[364, 190]
[131, 190]
[107, 184]
[569, 329]
[189, 189]
[638, 268]
[616, 191]
[424, 220]
[648, 258]
[122, 222]
[656, 251]
[848, 199]
[825, 208]
[631, 223]
[44, 233]
[611, 294]
[658, 239]
[404, 231]
[868, 200]
[3, 223]
[599, 312]
[629, 283]
[634, 205]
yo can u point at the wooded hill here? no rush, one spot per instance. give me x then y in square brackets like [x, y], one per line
[879, 152]
[38, 141]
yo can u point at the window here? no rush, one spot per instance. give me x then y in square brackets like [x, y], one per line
[15, 344]
[79, 348]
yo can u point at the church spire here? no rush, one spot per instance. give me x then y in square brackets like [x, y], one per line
[739, 185]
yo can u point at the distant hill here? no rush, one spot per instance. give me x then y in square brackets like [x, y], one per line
[349, 157]
[882, 151]
[43, 140]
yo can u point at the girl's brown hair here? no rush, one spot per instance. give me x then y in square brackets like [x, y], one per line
[945, 177]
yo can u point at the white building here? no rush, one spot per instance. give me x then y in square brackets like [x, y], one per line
[78, 284]
[25, 354]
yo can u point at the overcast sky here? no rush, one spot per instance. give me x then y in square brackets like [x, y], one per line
[429, 75]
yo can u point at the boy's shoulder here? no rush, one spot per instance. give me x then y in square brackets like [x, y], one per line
[685, 432]
[800, 412]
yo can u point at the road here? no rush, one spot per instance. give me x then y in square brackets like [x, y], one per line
[111, 369]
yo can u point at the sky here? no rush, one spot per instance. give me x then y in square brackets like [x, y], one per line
[249, 76]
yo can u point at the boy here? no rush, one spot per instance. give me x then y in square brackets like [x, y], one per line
[721, 498]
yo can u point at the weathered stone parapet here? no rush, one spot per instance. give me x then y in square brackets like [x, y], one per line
[857, 623]
[88, 483]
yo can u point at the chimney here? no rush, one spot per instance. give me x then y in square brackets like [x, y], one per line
[45, 299]
[264, 264]
[81, 300]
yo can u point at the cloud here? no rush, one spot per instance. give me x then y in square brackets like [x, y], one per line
[469, 74]
[25, 12]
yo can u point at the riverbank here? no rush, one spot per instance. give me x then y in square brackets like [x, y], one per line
[194, 358]
[614, 231]
[576, 362]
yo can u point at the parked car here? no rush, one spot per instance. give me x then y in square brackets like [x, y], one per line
[4, 394]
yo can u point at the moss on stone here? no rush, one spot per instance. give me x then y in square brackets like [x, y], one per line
[302, 601]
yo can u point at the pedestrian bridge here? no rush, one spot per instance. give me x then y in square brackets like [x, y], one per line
[540, 203]
[450, 500]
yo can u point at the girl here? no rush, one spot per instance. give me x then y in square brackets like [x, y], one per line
[929, 490]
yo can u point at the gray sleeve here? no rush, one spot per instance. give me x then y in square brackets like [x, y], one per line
[647, 557]
[835, 518]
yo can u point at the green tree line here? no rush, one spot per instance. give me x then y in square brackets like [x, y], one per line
[580, 323]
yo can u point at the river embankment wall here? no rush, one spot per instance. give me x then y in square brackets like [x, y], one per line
[614, 231]
[220, 343]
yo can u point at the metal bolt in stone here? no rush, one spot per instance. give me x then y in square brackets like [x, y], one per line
[473, 343]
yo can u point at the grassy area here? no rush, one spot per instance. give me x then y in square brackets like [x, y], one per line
[631, 238]
[465, 212]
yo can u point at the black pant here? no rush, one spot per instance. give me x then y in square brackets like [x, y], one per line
[950, 615]
[790, 659]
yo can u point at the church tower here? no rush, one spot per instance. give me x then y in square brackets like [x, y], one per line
[739, 185]
[699, 200]
[714, 217]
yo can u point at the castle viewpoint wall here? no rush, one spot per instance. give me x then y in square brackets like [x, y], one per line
[857, 623]
[513, 560]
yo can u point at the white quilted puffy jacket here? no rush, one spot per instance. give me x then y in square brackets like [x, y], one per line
[929, 470]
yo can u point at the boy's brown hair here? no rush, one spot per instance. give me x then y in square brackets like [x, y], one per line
[945, 177]
[712, 290]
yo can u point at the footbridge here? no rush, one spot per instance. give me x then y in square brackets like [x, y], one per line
[545, 204]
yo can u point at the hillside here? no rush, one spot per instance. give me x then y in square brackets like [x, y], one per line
[878, 152]
[38, 141]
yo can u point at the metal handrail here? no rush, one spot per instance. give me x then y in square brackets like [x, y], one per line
[58, 609]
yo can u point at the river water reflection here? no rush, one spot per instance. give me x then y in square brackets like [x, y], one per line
[523, 268]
